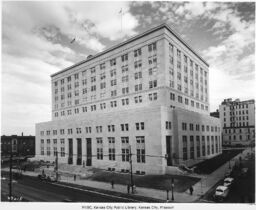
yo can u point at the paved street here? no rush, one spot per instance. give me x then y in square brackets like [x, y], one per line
[243, 190]
[35, 190]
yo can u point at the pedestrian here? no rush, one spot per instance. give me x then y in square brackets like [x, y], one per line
[128, 189]
[134, 188]
[191, 190]
[75, 177]
[112, 184]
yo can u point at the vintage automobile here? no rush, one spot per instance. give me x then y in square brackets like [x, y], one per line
[221, 193]
[228, 182]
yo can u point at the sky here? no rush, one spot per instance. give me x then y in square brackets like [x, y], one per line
[36, 43]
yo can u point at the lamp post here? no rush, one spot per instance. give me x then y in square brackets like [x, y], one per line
[172, 189]
[130, 154]
[167, 199]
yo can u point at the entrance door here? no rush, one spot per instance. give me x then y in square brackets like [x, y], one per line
[169, 150]
[70, 151]
[89, 151]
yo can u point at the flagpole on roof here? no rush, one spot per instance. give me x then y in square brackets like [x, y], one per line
[121, 12]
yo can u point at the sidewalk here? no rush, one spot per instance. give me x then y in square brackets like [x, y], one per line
[200, 188]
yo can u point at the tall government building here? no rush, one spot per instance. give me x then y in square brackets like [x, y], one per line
[238, 122]
[148, 95]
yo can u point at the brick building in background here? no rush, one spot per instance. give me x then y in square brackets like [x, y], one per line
[25, 146]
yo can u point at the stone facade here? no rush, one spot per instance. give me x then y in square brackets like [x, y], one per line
[134, 95]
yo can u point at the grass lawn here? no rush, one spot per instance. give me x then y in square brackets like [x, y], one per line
[161, 182]
[210, 165]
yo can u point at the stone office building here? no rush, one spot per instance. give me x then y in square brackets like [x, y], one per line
[238, 122]
[148, 95]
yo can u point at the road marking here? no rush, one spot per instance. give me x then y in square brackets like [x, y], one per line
[99, 193]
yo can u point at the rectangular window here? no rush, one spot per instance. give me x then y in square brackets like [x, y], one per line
[168, 125]
[124, 57]
[192, 155]
[184, 126]
[198, 146]
[125, 149]
[203, 145]
[172, 96]
[184, 143]
[140, 147]
[152, 84]
[152, 47]
[99, 148]
[113, 62]
[111, 148]
[137, 53]
[125, 127]
[125, 101]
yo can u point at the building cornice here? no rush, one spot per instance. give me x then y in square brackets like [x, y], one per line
[164, 25]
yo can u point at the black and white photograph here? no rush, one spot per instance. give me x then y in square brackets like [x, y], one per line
[127, 103]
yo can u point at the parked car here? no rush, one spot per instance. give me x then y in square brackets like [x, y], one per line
[42, 177]
[221, 193]
[51, 178]
[228, 182]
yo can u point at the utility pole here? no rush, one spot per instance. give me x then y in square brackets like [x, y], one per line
[10, 172]
[172, 189]
[130, 149]
[57, 165]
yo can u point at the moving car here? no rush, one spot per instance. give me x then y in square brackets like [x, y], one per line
[221, 193]
[228, 182]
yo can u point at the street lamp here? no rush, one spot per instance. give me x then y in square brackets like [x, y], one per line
[172, 189]
[130, 153]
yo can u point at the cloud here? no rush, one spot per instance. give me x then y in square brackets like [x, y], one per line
[222, 86]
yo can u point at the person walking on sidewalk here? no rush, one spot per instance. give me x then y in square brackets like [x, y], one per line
[112, 184]
[75, 177]
[128, 189]
[191, 190]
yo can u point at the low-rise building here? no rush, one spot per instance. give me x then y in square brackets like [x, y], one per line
[23, 146]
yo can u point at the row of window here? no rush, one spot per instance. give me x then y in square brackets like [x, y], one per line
[84, 91]
[98, 129]
[202, 148]
[236, 124]
[197, 127]
[240, 106]
[113, 104]
[239, 130]
[186, 101]
[185, 60]
[237, 112]
[125, 149]
[124, 58]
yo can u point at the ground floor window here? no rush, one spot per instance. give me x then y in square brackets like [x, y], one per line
[125, 149]
[62, 151]
[111, 150]
[203, 146]
[99, 148]
[42, 150]
[48, 151]
[192, 155]
[185, 146]
[140, 148]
